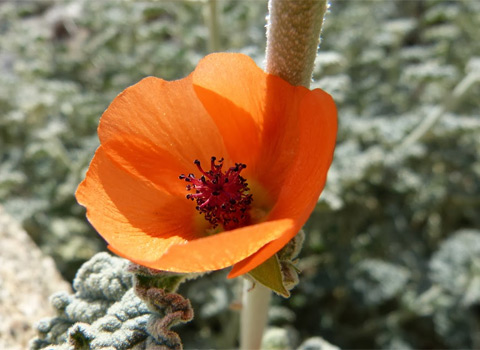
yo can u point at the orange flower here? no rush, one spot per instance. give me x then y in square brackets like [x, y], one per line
[276, 142]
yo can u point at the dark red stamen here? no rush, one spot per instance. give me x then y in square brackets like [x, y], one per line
[222, 197]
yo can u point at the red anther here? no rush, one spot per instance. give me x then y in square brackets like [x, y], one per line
[222, 197]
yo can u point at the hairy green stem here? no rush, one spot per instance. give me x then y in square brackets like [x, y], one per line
[293, 36]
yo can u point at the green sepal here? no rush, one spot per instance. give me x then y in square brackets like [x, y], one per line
[269, 274]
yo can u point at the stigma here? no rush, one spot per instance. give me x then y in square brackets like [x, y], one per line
[222, 197]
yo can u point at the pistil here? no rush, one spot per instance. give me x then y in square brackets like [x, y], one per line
[222, 197]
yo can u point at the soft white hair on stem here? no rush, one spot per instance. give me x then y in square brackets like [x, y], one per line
[293, 37]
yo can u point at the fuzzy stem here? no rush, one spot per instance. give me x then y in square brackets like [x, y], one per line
[293, 36]
[255, 300]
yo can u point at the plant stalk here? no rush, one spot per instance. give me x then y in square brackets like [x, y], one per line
[293, 36]
[253, 318]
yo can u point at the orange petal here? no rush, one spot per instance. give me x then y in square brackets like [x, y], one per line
[220, 250]
[306, 177]
[281, 134]
[256, 113]
[232, 89]
[136, 217]
[148, 163]
[165, 114]
[263, 254]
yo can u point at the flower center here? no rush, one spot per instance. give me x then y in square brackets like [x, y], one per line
[223, 197]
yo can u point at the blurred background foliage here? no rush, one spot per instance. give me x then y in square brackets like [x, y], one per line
[392, 256]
